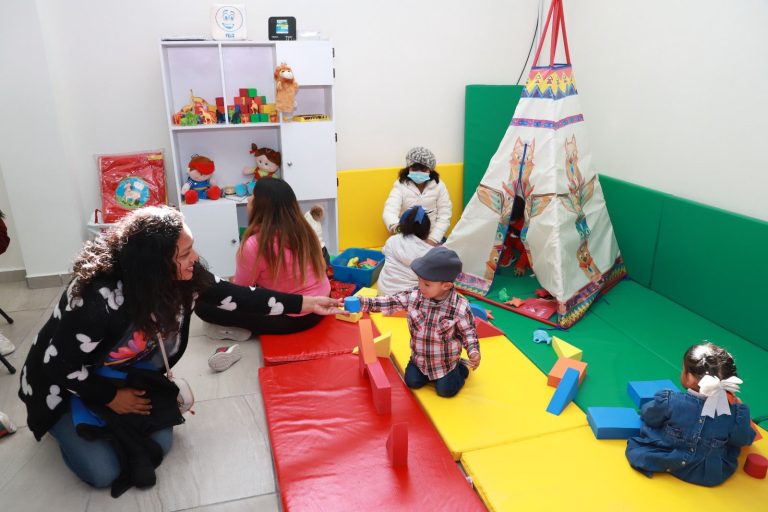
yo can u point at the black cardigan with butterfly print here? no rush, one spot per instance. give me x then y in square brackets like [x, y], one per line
[78, 338]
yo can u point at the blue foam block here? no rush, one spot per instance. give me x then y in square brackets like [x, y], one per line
[642, 391]
[613, 422]
[565, 392]
[479, 312]
[352, 304]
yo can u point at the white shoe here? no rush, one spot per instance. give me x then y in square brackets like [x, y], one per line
[224, 357]
[6, 425]
[6, 347]
[222, 332]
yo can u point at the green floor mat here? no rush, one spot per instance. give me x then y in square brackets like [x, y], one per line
[613, 358]
[667, 329]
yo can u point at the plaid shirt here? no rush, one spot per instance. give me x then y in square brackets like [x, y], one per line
[439, 329]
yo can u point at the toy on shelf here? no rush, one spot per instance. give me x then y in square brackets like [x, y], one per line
[286, 87]
[310, 117]
[267, 165]
[197, 111]
[249, 107]
[200, 184]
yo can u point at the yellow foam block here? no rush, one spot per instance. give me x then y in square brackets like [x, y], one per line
[565, 349]
[351, 317]
[381, 344]
[504, 400]
[366, 292]
[573, 471]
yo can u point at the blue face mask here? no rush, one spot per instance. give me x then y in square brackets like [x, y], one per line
[418, 177]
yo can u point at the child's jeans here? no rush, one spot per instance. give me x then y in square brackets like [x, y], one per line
[446, 386]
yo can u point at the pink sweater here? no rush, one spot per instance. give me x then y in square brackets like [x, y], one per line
[253, 272]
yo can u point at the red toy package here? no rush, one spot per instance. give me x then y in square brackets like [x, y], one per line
[130, 181]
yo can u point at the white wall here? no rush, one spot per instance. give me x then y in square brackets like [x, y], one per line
[653, 79]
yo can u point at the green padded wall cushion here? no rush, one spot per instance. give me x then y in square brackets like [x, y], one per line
[713, 262]
[667, 329]
[635, 213]
[488, 112]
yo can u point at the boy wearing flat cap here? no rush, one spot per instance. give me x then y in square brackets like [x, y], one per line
[440, 322]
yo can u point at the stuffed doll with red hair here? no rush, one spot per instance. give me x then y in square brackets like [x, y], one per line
[200, 184]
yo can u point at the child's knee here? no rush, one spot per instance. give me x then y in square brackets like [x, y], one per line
[448, 391]
[414, 383]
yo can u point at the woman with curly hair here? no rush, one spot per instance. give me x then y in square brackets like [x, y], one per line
[134, 287]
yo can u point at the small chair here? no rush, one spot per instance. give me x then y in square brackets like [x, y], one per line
[2, 358]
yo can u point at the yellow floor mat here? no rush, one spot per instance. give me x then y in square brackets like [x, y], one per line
[573, 471]
[504, 400]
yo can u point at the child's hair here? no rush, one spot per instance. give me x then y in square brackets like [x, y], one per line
[277, 221]
[709, 359]
[433, 175]
[410, 226]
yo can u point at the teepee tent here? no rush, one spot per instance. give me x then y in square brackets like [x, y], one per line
[545, 159]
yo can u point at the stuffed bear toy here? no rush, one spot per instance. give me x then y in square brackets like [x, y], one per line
[286, 87]
[199, 184]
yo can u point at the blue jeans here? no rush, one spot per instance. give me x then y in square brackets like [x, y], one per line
[446, 386]
[95, 462]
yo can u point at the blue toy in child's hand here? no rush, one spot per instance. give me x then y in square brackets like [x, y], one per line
[352, 304]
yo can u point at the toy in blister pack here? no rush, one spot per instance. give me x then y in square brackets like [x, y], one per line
[129, 181]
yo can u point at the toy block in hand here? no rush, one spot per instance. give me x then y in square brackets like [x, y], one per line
[352, 304]
[397, 445]
[366, 292]
[556, 373]
[381, 389]
[613, 422]
[367, 353]
[642, 391]
[565, 392]
[564, 349]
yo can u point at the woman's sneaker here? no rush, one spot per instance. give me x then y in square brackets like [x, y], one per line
[6, 347]
[224, 357]
[222, 332]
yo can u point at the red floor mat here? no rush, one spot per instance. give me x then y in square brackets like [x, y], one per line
[328, 338]
[329, 444]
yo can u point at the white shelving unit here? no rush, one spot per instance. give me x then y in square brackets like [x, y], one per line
[213, 69]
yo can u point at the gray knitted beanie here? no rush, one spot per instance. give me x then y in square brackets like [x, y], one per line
[420, 155]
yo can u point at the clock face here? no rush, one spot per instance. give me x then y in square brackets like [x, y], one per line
[229, 18]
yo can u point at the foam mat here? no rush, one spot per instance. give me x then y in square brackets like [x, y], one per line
[329, 337]
[573, 471]
[329, 444]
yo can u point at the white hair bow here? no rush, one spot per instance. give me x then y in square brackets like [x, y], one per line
[714, 389]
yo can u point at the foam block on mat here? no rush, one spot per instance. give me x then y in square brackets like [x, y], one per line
[562, 364]
[571, 470]
[642, 391]
[381, 390]
[503, 400]
[329, 337]
[397, 444]
[565, 392]
[613, 422]
[329, 444]
[486, 329]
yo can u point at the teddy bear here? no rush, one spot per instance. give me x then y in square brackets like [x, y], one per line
[267, 164]
[200, 184]
[286, 86]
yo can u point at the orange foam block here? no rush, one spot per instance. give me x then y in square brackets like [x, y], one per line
[381, 389]
[397, 444]
[367, 349]
[562, 364]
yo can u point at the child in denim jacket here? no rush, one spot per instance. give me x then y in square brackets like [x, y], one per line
[696, 435]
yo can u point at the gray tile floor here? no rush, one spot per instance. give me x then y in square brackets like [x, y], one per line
[220, 460]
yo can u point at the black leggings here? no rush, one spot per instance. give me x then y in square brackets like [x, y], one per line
[278, 324]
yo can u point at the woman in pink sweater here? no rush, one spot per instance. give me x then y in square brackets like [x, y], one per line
[280, 251]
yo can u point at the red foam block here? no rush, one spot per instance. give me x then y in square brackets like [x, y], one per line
[756, 465]
[486, 330]
[328, 443]
[380, 388]
[329, 337]
[397, 445]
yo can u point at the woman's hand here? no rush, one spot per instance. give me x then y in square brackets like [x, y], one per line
[321, 305]
[431, 242]
[130, 401]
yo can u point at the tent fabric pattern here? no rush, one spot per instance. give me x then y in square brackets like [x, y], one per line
[544, 158]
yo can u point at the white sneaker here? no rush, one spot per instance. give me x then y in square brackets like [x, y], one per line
[222, 332]
[224, 357]
[6, 347]
[6, 425]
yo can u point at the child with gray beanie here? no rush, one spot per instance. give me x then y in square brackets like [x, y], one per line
[440, 322]
[419, 184]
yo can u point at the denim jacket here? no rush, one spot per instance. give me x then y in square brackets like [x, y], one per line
[675, 438]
